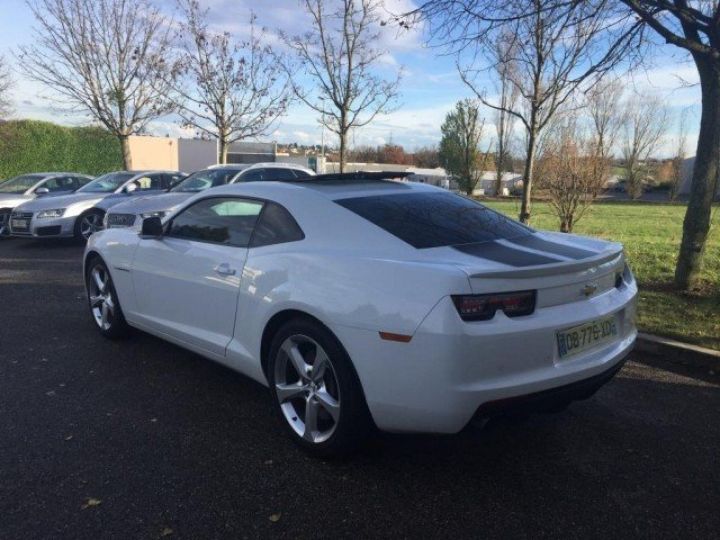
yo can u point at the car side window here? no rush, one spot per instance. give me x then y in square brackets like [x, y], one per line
[59, 183]
[276, 173]
[80, 181]
[218, 220]
[253, 175]
[172, 179]
[151, 182]
[275, 226]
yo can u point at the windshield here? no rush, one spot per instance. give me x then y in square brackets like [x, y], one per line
[203, 180]
[426, 220]
[107, 183]
[20, 184]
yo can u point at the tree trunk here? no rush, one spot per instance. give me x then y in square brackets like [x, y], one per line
[222, 150]
[704, 179]
[126, 154]
[343, 137]
[528, 178]
[499, 166]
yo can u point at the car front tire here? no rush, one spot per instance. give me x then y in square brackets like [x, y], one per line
[315, 390]
[88, 223]
[103, 301]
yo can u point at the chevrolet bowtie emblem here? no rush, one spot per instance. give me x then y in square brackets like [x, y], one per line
[589, 289]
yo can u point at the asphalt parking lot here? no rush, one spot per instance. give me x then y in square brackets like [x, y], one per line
[140, 439]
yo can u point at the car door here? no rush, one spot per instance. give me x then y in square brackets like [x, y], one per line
[187, 282]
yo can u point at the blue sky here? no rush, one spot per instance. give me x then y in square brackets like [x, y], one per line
[429, 88]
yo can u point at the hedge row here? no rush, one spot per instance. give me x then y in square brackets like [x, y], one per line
[32, 146]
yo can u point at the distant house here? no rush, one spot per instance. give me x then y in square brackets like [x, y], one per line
[486, 184]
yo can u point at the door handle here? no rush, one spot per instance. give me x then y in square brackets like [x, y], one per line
[224, 270]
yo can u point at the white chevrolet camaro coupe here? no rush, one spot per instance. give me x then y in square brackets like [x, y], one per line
[366, 302]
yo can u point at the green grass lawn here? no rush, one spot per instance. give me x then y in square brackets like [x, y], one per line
[651, 235]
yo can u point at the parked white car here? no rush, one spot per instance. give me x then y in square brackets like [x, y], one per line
[359, 301]
[26, 187]
[131, 213]
[81, 213]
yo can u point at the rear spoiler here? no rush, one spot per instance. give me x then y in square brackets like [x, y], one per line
[564, 267]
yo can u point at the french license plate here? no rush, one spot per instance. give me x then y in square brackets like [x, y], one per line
[19, 224]
[585, 336]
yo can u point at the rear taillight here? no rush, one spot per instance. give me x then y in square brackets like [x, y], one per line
[482, 307]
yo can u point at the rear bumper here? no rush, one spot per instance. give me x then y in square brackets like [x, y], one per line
[450, 371]
[549, 400]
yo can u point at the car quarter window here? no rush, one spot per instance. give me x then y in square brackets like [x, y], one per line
[275, 226]
[218, 220]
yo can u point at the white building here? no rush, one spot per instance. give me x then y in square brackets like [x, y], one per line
[687, 172]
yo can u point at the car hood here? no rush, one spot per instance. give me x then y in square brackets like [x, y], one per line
[11, 200]
[62, 201]
[165, 202]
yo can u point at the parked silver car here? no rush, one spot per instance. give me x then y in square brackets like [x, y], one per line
[126, 214]
[26, 187]
[81, 214]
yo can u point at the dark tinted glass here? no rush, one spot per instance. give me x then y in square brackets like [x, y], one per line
[268, 174]
[276, 226]
[218, 220]
[426, 220]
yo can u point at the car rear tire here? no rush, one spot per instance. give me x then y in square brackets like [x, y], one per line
[315, 390]
[88, 223]
[103, 301]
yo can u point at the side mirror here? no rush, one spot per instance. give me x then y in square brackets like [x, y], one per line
[131, 187]
[152, 227]
[41, 191]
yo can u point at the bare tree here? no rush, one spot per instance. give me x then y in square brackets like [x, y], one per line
[426, 157]
[571, 170]
[339, 54]
[644, 123]
[678, 160]
[504, 120]
[460, 152]
[693, 26]
[106, 58]
[6, 84]
[554, 46]
[603, 103]
[230, 90]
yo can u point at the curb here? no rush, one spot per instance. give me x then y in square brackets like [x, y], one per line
[678, 352]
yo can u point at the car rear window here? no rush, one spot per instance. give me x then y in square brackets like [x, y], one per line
[427, 220]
